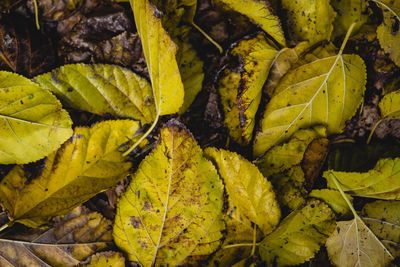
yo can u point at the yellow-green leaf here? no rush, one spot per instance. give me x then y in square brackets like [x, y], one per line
[310, 20]
[383, 218]
[73, 238]
[390, 105]
[299, 236]
[260, 13]
[172, 210]
[249, 192]
[388, 33]
[323, 91]
[32, 121]
[334, 200]
[106, 259]
[241, 85]
[382, 182]
[348, 12]
[87, 164]
[102, 89]
[160, 52]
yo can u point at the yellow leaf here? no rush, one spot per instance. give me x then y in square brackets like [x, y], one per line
[323, 91]
[348, 12]
[171, 212]
[102, 89]
[73, 238]
[159, 51]
[310, 20]
[32, 121]
[390, 105]
[106, 259]
[334, 200]
[261, 14]
[250, 194]
[87, 164]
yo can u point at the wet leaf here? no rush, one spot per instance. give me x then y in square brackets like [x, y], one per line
[32, 121]
[73, 238]
[260, 13]
[160, 52]
[310, 20]
[383, 218]
[388, 32]
[102, 89]
[334, 200]
[250, 194]
[106, 259]
[171, 212]
[382, 182]
[299, 236]
[90, 162]
[241, 84]
[390, 105]
[348, 12]
[324, 91]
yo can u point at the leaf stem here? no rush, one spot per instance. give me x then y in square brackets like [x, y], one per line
[343, 195]
[346, 38]
[4, 226]
[373, 131]
[387, 7]
[208, 38]
[253, 249]
[35, 5]
[241, 245]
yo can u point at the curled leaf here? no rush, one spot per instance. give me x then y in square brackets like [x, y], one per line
[32, 121]
[171, 212]
[87, 164]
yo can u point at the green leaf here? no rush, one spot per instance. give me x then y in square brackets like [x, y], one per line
[241, 84]
[73, 238]
[299, 236]
[325, 91]
[348, 12]
[390, 105]
[250, 194]
[310, 20]
[102, 89]
[260, 13]
[160, 52]
[383, 218]
[388, 34]
[382, 182]
[32, 121]
[90, 162]
[106, 259]
[171, 213]
[334, 200]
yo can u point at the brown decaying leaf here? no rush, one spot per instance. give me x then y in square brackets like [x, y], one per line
[55, 9]
[313, 160]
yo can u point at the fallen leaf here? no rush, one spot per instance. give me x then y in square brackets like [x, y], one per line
[334, 200]
[390, 105]
[382, 182]
[102, 89]
[313, 160]
[171, 212]
[32, 121]
[73, 238]
[348, 12]
[106, 259]
[55, 10]
[6, 5]
[90, 162]
[299, 236]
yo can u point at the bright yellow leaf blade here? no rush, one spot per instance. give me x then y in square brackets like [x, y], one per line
[159, 51]
[87, 164]
[73, 238]
[390, 105]
[325, 91]
[250, 193]
[348, 12]
[171, 212]
[261, 14]
[32, 121]
[102, 89]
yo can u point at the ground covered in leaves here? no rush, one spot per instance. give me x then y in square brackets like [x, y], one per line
[199, 133]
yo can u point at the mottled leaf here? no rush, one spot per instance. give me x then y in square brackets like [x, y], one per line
[241, 84]
[171, 212]
[382, 182]
[160, 52]
[324, 91]
[87, 164]
[390, 105]
[334, 200]
[250, 194]
[55, 9]
[313, 160]
[73, 238]
[106, 259]
[348, 12]
[310, 20]
[383, 218]
[102, 89]
[299, 236]
[32, 121]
